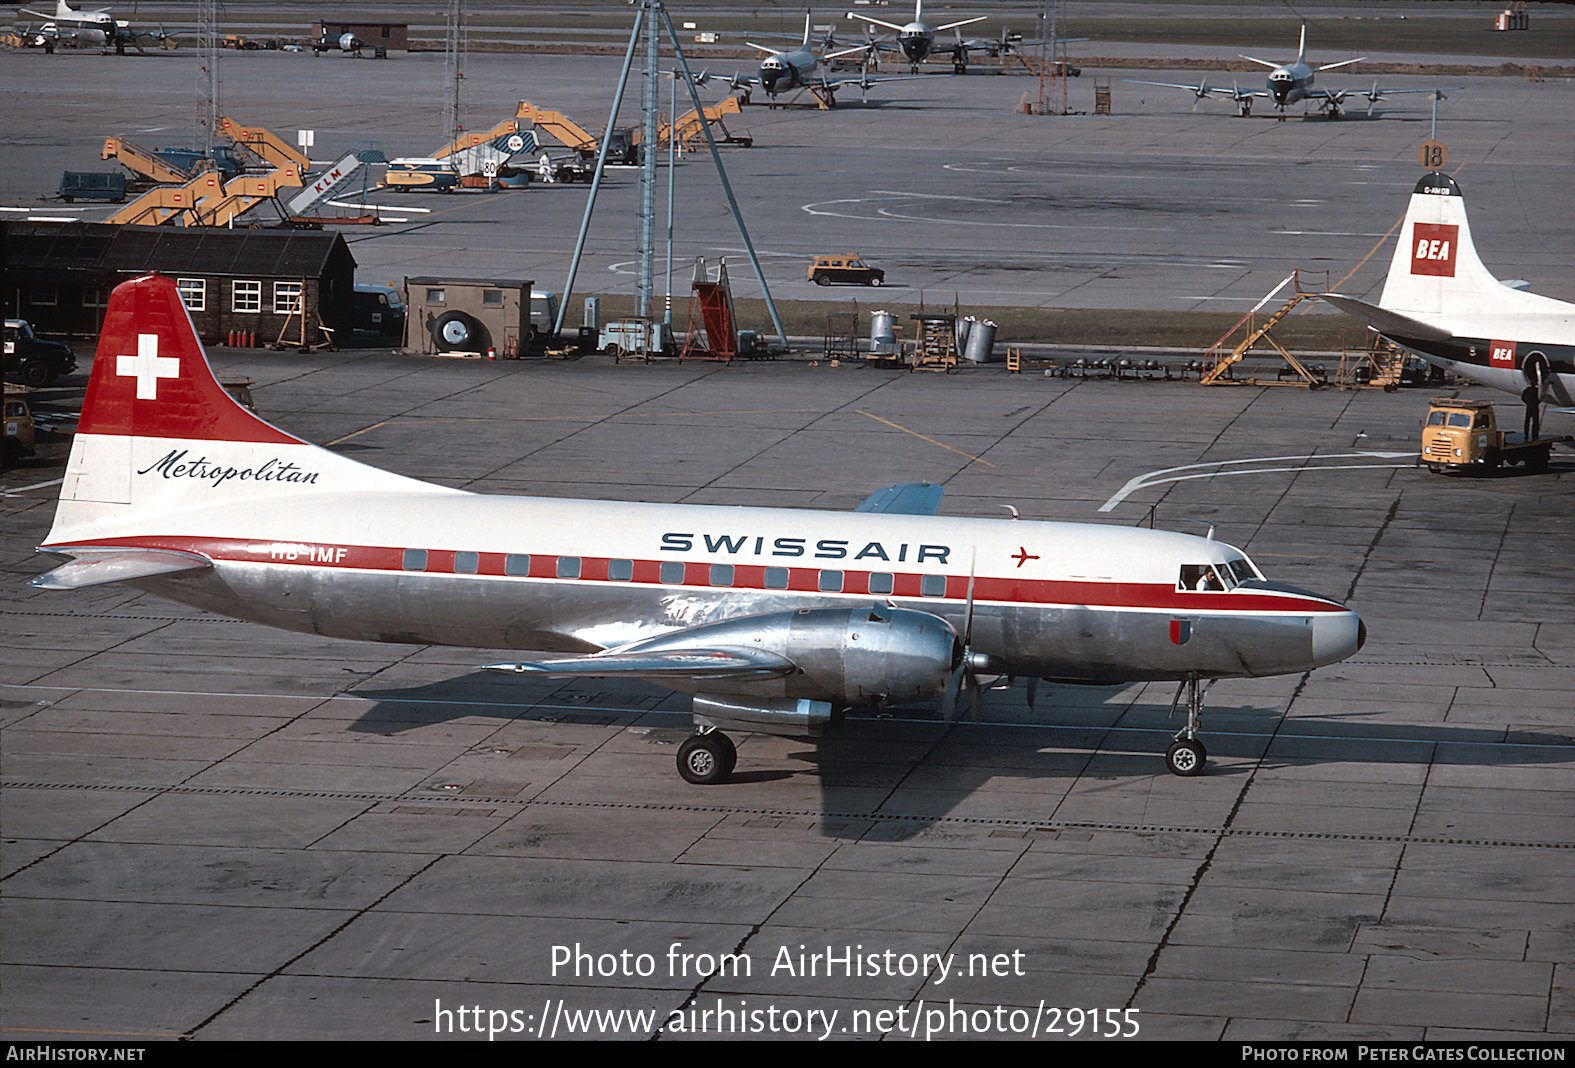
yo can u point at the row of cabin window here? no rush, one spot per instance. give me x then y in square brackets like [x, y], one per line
[672, 572]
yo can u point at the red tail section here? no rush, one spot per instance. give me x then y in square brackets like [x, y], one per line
[151, 379]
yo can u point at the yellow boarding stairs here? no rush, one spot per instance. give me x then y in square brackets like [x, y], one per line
[144, 162]
[1384, 363]
[1220, 361]
[268, 145]
[206, 200]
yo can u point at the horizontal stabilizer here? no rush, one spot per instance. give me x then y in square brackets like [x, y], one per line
[1384, 320]
[654, 664]
[91, 567]
[905, 498]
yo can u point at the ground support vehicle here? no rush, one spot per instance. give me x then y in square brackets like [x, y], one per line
[1464, 434]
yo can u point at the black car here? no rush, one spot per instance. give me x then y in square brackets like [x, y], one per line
[38, 362]
[379, 310]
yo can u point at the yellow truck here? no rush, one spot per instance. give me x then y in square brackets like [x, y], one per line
[1463, 434]
[19, 429]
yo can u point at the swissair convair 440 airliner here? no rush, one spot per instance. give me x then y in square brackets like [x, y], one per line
[776, 620]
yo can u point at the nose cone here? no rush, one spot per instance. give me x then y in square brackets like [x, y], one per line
[1335, 636]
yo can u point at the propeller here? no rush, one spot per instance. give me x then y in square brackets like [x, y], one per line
[967, 664]
[1200, 94]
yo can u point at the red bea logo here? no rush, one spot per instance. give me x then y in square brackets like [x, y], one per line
[1502, 354]
[1433, 249]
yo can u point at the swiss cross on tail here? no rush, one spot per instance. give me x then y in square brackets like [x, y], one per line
[147, 366]
[1433, 249]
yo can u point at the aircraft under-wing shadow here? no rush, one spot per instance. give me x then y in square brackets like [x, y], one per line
[1291, 83]
[776, 621]
[1443, 304]
[896, 775]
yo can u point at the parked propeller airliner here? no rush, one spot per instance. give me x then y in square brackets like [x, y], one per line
[789, 70]
[81, 28]
[917, 38]
[1442, 303]
[1290, 83]
[776, 620]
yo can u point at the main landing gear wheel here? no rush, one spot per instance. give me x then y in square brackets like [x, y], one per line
[707, 759]
[1186, 756]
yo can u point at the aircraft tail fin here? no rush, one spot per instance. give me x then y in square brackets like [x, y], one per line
[159, 434]
[1301, 48]
[1435, 269]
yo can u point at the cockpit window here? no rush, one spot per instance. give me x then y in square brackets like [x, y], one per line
[1241, 570]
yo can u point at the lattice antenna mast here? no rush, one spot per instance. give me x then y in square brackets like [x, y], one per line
[454, 48]
[652, 10]
[207, 75]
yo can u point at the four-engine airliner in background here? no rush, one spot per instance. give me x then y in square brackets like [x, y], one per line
[1290, 83]
[776, 620]
[1442, 303]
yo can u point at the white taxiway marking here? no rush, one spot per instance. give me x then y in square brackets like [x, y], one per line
[1153, 478]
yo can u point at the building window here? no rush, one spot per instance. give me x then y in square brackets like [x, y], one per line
[93, 297]
[43, 296]
[415, 560]
[516, 564]
[287, 298]
[247, 297]
[193, 293]
[465, 563]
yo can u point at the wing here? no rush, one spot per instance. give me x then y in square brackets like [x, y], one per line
[1203, 89]
[697, 663]
[906, 498]
[90, 567]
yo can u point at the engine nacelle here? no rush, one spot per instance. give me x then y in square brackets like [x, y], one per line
[845, 657]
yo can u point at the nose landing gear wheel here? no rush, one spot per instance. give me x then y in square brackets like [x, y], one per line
[1186, 757]
[707, 759]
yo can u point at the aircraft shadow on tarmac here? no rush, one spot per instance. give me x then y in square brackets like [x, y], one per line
[894, 775]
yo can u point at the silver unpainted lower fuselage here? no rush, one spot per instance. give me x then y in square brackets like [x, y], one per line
[1058, 641]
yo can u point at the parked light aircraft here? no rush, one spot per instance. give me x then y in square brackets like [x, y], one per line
[917, 38]
[345, 42]
[90, 29]
[1290, 83]
[785, 71]
[1440, 302]
[776, 620]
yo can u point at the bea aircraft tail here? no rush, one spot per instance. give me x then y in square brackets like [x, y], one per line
[162, 446]
[1440, 301]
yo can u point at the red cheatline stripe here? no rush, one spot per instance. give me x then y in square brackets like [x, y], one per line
[906, 585]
